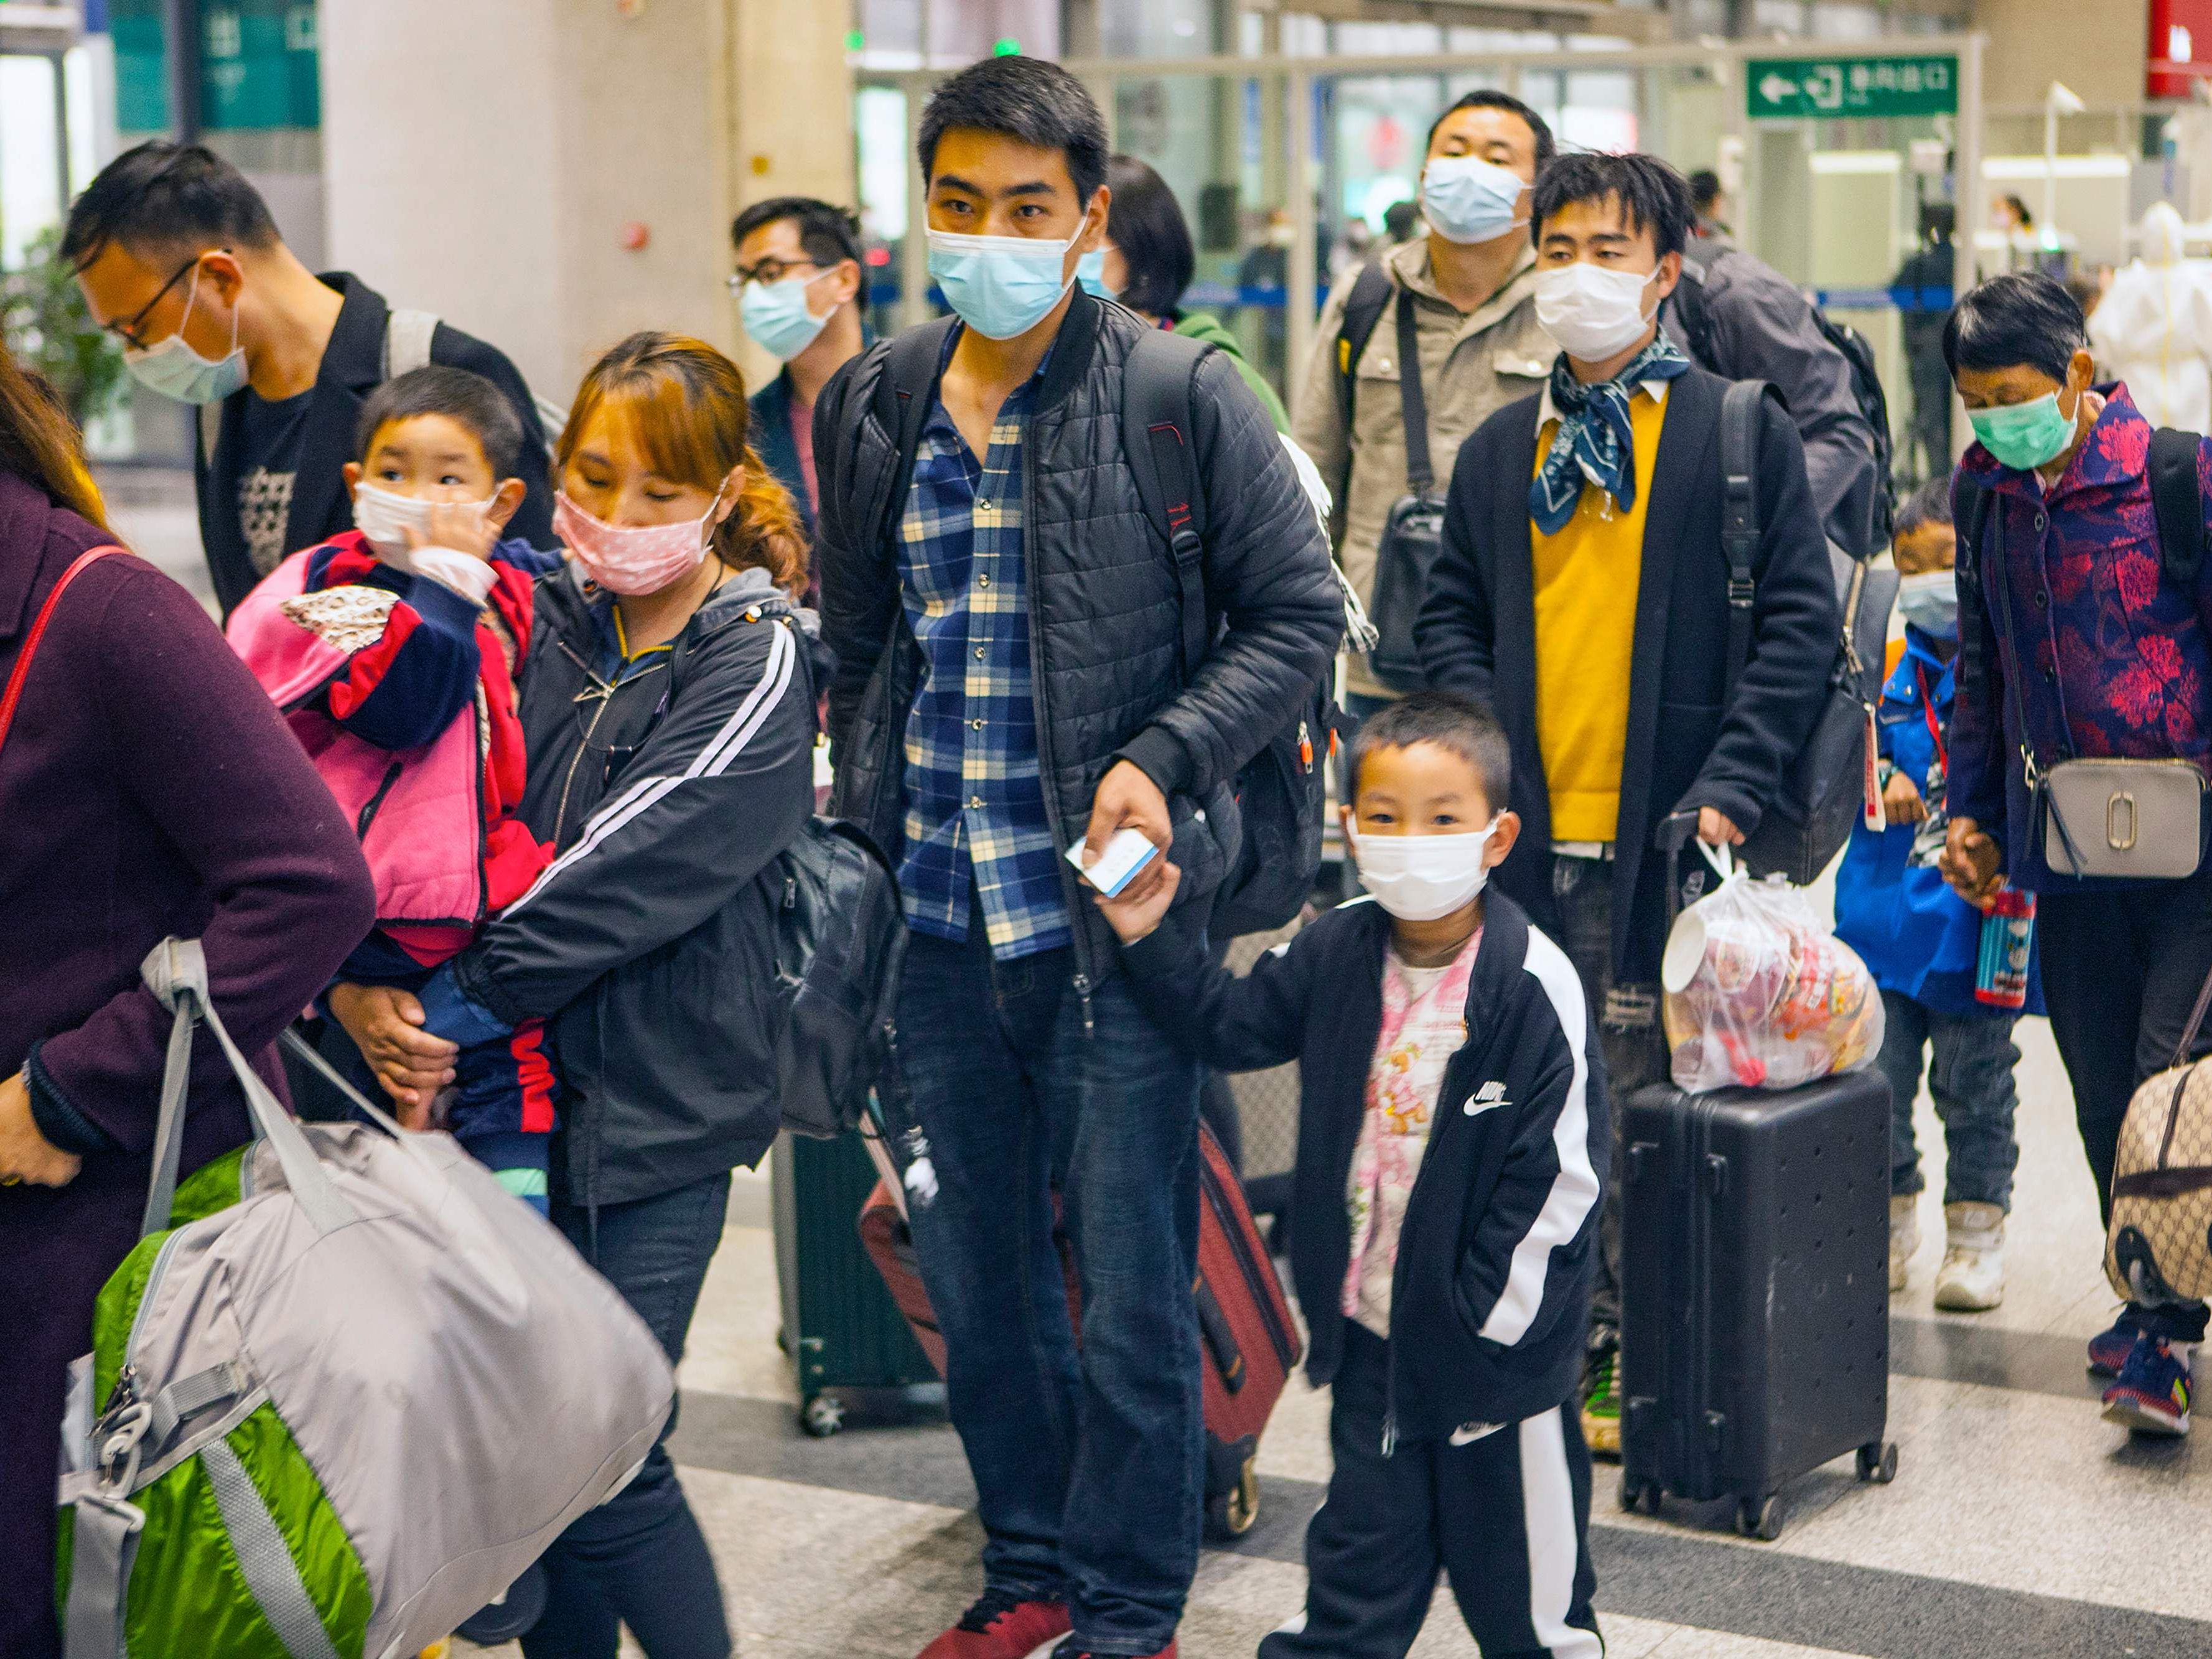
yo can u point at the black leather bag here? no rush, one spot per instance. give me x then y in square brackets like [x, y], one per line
[1412, 535]
[1823, 788]
[840, 940]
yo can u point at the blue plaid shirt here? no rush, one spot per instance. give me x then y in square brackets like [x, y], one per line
[975, 820]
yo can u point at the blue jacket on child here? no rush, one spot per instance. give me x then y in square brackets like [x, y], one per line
[1916, 936]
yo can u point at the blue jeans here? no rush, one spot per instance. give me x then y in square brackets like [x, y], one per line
[640, 1558]
[1971, 1083]
[1088, 1468]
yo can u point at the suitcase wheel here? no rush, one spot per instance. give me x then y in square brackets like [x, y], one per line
[1644, 1494]
[1878, 1462]
[1759, 1518]
[822, 1416]
[1230, 1514]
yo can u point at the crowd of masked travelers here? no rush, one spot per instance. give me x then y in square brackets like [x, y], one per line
[508, 716]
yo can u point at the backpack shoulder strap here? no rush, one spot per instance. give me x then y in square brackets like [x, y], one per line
[909, 370]
[1363, 308]
[407, 336]
[2178, 502]
[1159, 439]
[1739, 527]
[903, 399]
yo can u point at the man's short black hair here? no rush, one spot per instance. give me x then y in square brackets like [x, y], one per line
[1929, 504]
[176, 200]
[1399, 220]
[1451, 722]
[470, 399]
[1704, 190]
[1652, 195]
[1939, 220]
[830, 234]
[1029, 99]
[1146, 222]
[2022, 319]
[1487, 97]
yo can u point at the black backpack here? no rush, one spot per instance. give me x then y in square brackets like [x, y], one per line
[1281, 792]
[840, 940]
[1823, 787]
[1696, 318]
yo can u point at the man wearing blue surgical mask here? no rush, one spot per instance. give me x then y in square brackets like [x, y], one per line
[798, 282]
[180, 261]
[1008, 626]
[1468, 278]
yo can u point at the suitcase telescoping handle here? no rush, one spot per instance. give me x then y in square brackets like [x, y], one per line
[1675, 831]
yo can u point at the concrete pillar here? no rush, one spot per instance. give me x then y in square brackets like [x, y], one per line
[790, 117]
[558, 174]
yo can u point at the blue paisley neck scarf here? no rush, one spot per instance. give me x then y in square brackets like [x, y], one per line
[1595, 440]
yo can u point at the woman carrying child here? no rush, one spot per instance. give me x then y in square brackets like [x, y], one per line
[667, 707]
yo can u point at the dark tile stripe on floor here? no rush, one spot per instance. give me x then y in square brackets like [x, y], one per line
[1683, 1578]
[2033, 1362]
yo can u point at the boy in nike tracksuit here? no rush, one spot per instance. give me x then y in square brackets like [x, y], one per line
[1451, 1148]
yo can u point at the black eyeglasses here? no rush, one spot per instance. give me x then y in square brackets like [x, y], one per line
[770, 270]
[129, 332]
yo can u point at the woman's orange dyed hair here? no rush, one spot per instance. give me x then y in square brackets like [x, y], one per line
[40, 445]
[685, 405]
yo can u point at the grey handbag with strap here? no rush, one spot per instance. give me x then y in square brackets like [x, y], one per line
[2138, 820]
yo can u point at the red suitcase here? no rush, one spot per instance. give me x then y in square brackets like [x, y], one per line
[1249, 1339]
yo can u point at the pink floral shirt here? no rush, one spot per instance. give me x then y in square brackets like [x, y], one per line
[1423, 1026]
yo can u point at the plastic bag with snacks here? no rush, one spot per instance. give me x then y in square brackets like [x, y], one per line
[1760, 994]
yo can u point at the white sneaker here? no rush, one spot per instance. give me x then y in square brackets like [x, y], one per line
[1904, 1236]
[1971, 1278]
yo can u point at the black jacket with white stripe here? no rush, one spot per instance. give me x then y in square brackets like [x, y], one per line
[648, 946]
[1491, 1294]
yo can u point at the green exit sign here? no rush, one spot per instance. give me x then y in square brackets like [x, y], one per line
[1836, 89]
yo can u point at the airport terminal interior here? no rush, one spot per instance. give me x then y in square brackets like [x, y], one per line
[550, 174]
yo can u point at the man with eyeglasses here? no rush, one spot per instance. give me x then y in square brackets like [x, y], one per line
[179, 259]
[799, 283]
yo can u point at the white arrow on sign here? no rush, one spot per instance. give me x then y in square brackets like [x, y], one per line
[1775, 90]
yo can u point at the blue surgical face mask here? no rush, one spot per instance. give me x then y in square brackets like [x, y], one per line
[1929, 602]
[172, 368]
[1000, 286]
[1467, 199]
[776, 317]
[1090, 271]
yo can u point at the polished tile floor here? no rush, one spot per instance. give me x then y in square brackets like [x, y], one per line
[2020, 1524]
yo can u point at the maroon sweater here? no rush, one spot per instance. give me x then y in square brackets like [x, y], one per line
[148, 788]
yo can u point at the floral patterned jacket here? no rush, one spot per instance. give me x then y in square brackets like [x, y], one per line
[2113, 657]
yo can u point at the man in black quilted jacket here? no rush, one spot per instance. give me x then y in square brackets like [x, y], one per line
[1008, 627]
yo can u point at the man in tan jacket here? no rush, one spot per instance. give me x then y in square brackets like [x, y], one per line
[1470, 278]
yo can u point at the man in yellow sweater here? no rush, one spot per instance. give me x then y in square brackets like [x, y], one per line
[1581, 593]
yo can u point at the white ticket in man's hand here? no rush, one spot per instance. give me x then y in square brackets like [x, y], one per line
[1128, 853]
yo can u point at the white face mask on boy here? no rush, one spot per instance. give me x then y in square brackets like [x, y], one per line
[1420, 878]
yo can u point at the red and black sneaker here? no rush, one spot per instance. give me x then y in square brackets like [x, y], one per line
[1002, 1626]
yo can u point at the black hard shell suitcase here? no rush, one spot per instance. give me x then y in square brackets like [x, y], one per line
[1755, 1296]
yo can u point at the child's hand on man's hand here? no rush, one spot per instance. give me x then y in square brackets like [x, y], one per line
[1134, 919]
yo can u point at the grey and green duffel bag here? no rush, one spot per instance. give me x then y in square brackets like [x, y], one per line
[343, 1392]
